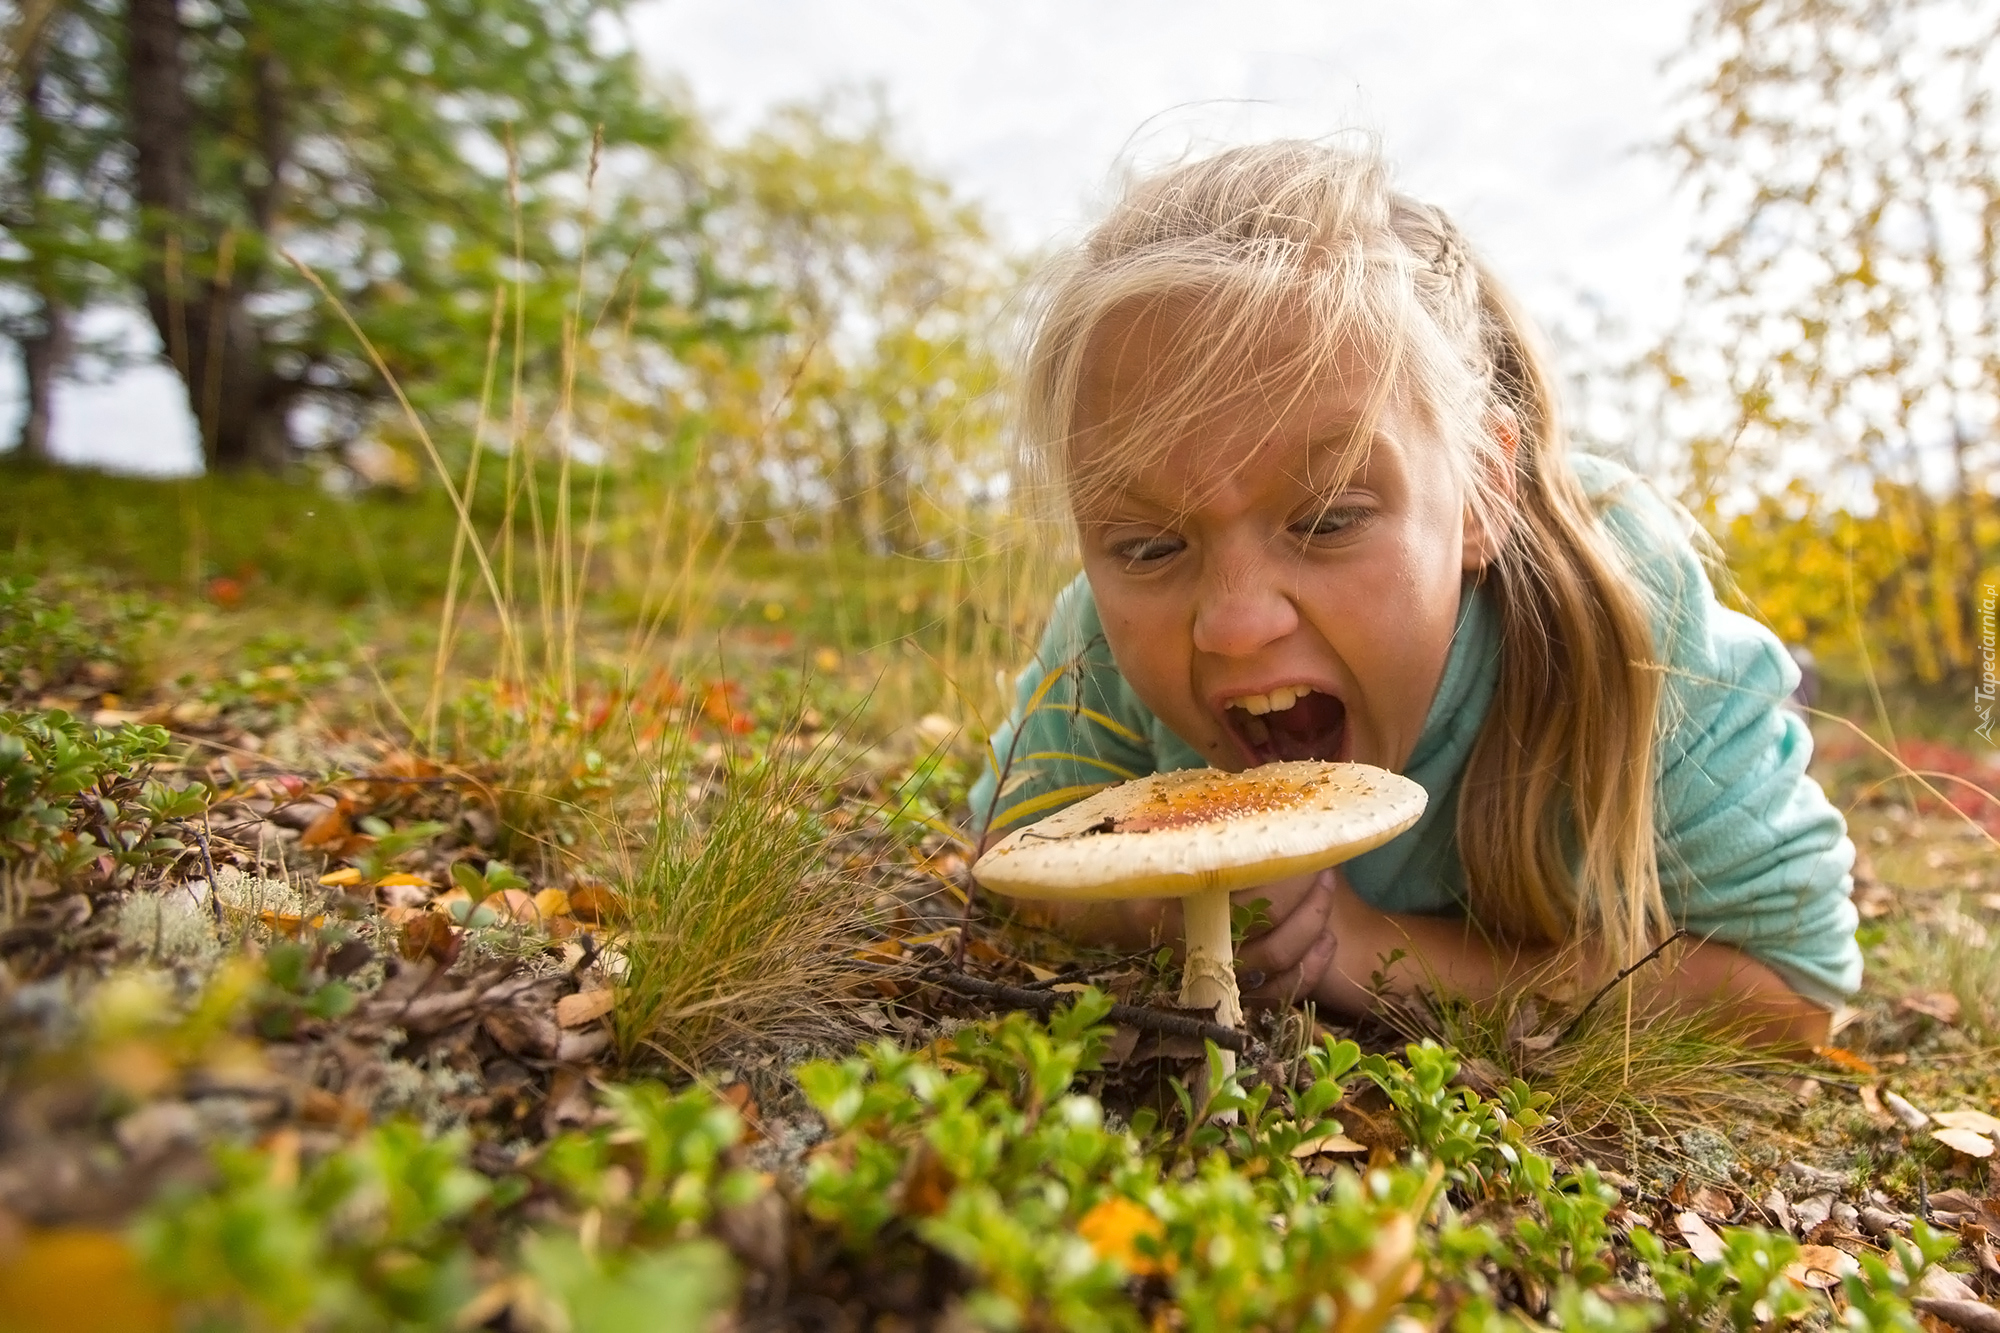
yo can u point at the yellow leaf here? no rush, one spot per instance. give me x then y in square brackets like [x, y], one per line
[77, 1280]
[1329, 1143]
[291, 927]
[344, 878]
[136, 1066]
[1114, 1226]
[398, 879]
[583, 1007]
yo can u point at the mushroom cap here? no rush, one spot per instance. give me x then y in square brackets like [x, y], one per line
[1172, 834]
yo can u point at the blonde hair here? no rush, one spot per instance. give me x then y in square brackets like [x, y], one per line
[1303, 254]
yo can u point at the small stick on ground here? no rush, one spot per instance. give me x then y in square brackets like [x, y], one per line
[1131, 1015]
[208, 864]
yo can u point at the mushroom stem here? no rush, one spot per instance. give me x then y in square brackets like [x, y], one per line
[1208, 977]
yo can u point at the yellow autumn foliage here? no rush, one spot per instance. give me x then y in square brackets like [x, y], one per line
[1895, 590]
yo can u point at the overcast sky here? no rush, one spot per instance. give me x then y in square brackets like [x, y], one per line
[1529, 122]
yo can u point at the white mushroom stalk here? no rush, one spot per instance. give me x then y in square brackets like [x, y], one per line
[1199, 835]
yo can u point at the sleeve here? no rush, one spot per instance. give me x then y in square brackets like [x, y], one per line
[1075, 724]
[1752, 853]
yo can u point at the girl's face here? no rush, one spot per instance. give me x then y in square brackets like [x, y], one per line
[1261, 612]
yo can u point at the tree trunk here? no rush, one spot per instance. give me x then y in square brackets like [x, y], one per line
[850, 483]
[42, 357]
[898, 525]
[193, 293]
[43, 353]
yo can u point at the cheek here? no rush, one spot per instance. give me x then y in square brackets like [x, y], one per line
[1142, 627]
[1147, 632]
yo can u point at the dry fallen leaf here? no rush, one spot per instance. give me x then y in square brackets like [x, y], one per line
[1700, 1237]
[596, 904]
[552, 903]
[577, 1047]
[1977, 1121]
[329, 830]
[523, 1031]
[1713, 1204]
[1840, 1058]
[1390, 1270]
[402, 895]
[427, 935]
[1812, 1210]
[1939, 1283]
[927, 1184]
[1778, 1208]
[346, 877]
[320, 1107]
[1967, 1141]
[1953, 1201]
[573, 1011]
[739, 1096]
[1821, 1267]
[1971, 1316]
[1941, 1005]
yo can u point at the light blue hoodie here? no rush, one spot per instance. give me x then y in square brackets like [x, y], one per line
[1751, 852]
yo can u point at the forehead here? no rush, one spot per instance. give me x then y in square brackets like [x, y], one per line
[1170, 391]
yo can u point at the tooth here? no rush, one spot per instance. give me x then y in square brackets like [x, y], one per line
[1256, 730]
[1254, 703]
[1282, 698]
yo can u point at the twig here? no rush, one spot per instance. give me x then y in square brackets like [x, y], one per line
[1613, 984]
[1131, 1015]
[208, 864]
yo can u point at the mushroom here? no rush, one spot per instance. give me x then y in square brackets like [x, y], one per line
[1198, 834]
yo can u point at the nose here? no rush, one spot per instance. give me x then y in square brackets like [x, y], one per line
[1240, 610]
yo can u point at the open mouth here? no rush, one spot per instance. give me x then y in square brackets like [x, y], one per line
[1291, 722]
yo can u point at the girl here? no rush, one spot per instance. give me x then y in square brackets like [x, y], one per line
[1325, 509]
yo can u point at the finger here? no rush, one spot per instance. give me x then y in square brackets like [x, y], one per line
[1281, 897]
[1295, 983]
[1281, 947]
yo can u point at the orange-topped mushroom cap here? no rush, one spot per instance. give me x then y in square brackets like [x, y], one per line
[1177, 833]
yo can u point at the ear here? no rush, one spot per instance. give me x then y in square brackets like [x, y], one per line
[1487, 524]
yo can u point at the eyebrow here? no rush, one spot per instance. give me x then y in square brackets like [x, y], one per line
[1332, 448]
[1333, 442]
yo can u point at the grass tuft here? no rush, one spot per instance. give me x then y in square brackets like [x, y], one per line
[1614, 1078]
[740, 922]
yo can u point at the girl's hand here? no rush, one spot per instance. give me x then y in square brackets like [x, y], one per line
[1295, 945]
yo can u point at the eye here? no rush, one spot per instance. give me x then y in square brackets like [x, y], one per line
[1330, 521]
[1144, 552]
